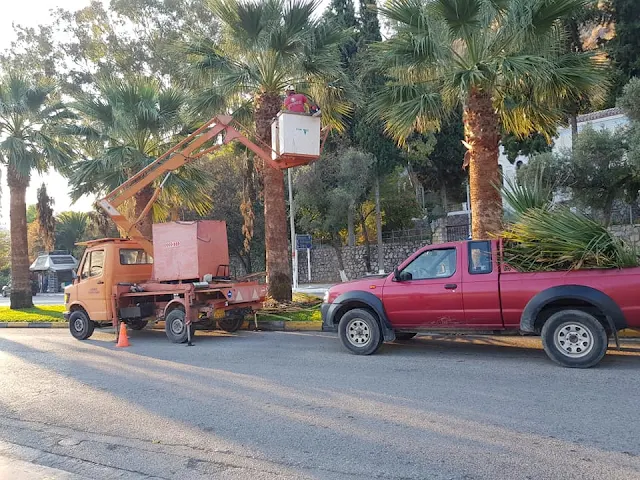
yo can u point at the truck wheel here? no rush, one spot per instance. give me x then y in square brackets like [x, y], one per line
[360, 332]
[230, 324]
[405, 335]
[175, 326]
[573, 338]
[138, 324]
[80, 326]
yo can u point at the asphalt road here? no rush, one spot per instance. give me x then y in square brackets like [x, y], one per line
[39, 299]
[266, 405]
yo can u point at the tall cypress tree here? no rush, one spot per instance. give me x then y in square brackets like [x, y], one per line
[624, 49]
[342, 14]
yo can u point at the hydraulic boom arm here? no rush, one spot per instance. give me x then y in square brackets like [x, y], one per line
[196, 145]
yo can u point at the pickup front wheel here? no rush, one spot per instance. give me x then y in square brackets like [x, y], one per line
[574, 338]
[359, 332]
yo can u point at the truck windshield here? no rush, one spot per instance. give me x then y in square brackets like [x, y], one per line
[131, 256]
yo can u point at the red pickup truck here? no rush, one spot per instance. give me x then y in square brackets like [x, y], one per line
[464, 286]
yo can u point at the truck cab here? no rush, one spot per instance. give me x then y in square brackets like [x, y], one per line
[105, 263]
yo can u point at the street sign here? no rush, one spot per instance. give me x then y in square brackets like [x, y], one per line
[303, 242]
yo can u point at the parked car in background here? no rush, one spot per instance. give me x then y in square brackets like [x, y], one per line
[6, 290]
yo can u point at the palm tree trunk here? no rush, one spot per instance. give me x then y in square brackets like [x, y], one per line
[275, 210]
[142, 198]
[20, 283]
[481, 127]
[573, 120]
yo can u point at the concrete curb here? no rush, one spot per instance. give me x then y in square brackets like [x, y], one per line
[34, 325]
[268, 325]
[283, 326]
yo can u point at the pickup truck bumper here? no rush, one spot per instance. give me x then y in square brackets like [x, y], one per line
[66, 315]
[328, 310]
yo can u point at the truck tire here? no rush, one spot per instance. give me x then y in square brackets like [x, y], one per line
[80, 326]
[359, 332]
[230, 324]
[175, 326]
[405, 335]
[138, 324]
[574, 338]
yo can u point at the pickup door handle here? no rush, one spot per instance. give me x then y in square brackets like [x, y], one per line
[451, 286]
[100, 282]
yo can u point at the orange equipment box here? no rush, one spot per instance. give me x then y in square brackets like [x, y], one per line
[188, 251]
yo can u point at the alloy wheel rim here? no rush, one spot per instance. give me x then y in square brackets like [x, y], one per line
[573, 340]
[358, 333]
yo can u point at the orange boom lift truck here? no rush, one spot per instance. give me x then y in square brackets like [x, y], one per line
[182, 277]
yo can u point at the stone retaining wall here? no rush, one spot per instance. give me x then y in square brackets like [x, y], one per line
[628, 233]
[324, 262]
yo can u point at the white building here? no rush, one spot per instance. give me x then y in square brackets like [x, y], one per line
[609, 119]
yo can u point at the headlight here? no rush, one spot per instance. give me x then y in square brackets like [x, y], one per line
[325, 299]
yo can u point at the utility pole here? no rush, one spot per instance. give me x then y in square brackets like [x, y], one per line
[292, 216]
[469, 207]
[379, 228]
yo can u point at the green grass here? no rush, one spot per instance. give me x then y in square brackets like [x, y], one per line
[304, 315]
[42, 313]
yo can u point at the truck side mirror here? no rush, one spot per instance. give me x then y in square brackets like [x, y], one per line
[396, 275]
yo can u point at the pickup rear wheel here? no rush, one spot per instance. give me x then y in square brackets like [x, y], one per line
[175, 326]
[574, 338]
[80, 326]
[359, 332]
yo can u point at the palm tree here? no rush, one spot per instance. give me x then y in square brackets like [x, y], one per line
[70, 228]
[503, 61]
[126, 126]
[265, 45]
[30, 114]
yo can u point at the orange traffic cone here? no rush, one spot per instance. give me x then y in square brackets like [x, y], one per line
[123, 340]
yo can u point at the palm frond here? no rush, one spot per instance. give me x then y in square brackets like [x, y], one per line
[564, 240]
[407, 108]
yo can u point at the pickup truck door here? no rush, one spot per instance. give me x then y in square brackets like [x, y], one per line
[481, 292]
[428, 291]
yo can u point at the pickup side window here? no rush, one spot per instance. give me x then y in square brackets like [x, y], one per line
[480, 261]
[134, 256]
[430, 265]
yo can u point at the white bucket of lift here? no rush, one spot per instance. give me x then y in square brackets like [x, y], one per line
[295, 135]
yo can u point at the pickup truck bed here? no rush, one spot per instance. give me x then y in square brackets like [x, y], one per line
[465, 286]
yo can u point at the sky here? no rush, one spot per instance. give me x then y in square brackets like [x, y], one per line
[33, 13]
